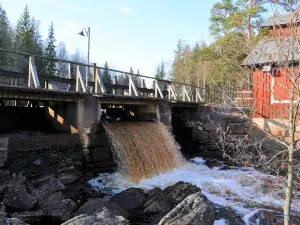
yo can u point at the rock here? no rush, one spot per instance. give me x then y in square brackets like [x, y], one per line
[14, 221]
[105, 217]
[194, 210]
[160, 202]
[60, 210]
[212, 163]
[2, 213]
[68, 175]
[199, 135]
[68, 178]
[194, 124]
[3, 186]
[3, 151]
[37, 162]
[94, 206]
[236, 128]
[4, 175]
[132, 200]
[46, 186]
[210, 126]
[29, 216]
[228, 214]
[272, 218]
[17, 197]
[55, 197]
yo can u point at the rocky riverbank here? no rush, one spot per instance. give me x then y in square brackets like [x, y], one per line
[66, 198]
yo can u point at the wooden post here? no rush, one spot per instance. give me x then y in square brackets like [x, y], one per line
[132, 87]
[130, 84]
[46, 84]
[15, 103]
[79, 79]
[33, 80]
[94, 72]
[114, 82]
[155, 88]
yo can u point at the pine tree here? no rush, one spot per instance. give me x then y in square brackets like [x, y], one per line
[106, 76]
[137, 80]
[157, 73]
[28, 39]
[24, 32]
[50, 52]
[220, 17]
[5, 40]
[196, 51]
[162, 73]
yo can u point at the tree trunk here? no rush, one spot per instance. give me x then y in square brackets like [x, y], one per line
[289, 186]
[249, 21]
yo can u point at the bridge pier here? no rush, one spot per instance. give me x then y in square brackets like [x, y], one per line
[80, 116]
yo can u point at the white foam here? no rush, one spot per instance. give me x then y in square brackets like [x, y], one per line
[231, 188]
[221, 222]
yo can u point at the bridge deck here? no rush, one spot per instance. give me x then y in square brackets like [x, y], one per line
[35, 94]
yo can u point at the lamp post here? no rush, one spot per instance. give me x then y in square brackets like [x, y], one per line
[87, 33]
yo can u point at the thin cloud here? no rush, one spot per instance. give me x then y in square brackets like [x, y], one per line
[125, 10]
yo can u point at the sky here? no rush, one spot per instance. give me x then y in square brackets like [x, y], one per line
[137, 33]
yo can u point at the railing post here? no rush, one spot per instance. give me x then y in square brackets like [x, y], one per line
[94, 72]
[46, 84]
[99, 83]
[142, 86]
[114, 82]
[171, 92]
[185, 94]
[15, 102]
[132, 87]
[33, 80]
[157, 89]
[79, 80]
[198, 96]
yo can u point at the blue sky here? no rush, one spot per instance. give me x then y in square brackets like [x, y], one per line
[126, 33]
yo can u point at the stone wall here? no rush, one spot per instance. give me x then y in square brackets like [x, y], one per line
[197, 129]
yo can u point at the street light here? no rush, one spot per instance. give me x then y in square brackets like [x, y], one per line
[87, 33]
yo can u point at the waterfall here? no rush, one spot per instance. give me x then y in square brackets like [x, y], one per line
[143, 149]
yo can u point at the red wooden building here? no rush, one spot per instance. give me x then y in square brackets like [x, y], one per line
[273, 62]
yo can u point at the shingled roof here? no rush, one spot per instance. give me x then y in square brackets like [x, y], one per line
[274, 51]
[280, 19]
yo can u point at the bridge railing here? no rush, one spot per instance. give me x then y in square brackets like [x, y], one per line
[35, 71]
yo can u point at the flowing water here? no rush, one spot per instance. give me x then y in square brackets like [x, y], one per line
[143, 149]
[148, 157]
[245, 190]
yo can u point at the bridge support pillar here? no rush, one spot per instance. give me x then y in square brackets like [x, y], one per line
[80, 116]
[164, 114]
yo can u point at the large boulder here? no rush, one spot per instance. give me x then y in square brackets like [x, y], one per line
[160, 202]
[132, 200]
[105, 217]
[46, 186]
[14, 221]
[17, 196]
[264, 217]
[94, 206]
[2, 213]
[29, 216]
[68, 175]
[60, 210]
[194, 210]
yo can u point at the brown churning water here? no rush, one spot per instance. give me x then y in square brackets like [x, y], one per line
[143, 149]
